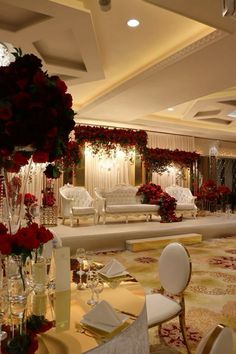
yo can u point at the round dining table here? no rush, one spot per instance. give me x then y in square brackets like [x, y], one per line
[70, 336]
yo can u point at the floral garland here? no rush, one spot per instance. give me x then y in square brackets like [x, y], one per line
[153, 194]
[108, 138]
[158, 160]
[35, 113]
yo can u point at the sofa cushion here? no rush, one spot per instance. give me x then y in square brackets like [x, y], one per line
[132, 208]
[184, 206]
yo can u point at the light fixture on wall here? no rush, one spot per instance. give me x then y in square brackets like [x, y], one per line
[5, 55]
[105, 5]
[229, 8]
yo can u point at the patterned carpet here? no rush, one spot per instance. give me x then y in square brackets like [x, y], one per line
[210, 296]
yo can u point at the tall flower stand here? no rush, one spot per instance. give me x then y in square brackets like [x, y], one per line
[48, 215]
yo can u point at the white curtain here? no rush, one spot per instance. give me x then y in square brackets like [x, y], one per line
[172, 142]
[105, 172]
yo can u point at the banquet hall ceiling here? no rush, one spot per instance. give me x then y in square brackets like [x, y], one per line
[182, 56]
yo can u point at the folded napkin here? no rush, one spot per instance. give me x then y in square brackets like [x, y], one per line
[103, 317]
[112, 268]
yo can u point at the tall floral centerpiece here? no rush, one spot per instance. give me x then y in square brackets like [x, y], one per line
[36, 118]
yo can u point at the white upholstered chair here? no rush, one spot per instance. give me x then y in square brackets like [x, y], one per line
[76, 203]
[185, 200]
[174, 268]
[218, 340]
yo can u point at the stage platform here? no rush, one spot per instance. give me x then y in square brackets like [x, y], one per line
[114, 234]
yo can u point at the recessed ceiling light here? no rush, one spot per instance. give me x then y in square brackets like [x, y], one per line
[170, 109]
[133, 22]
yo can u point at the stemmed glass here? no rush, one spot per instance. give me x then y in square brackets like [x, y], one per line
[99, 286]
[89, 258]
[80, 256]
[92, 282]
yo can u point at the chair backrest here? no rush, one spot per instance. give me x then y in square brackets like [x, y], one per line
[122, 195]
[174, 268]
[181, 194]
[80, 196]
[219, 340]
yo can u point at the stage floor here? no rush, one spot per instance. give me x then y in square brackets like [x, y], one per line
[114, 234]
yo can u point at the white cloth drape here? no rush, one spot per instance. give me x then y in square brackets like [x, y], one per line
[171, 142]
[105, 172]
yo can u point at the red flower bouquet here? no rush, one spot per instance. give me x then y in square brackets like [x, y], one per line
[153, 194]
[35, 113]
[24, 241]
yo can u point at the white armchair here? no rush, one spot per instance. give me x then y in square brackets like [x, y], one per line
[76, 203]
[185, 200]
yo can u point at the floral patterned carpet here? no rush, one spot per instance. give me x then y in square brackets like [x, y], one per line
[210, 296]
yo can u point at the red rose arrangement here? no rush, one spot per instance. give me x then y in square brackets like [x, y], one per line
[153, 194]
[210, 195]
[48, 197]
[35, 113]
[24, 241]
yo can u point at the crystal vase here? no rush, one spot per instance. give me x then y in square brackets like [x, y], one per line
[12, 199]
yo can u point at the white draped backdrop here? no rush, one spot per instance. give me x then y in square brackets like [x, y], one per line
[171, 142]
[106, 172]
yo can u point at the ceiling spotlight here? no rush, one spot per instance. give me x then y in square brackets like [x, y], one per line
[105, 5]
[133, 22]
[229, 8]
[170, 109]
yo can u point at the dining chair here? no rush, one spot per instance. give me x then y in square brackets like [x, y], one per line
[219, 340]
[174, 268]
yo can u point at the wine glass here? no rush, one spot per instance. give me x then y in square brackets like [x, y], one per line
[80, 256]
[89, 258]
[92, 281]
[99, 286]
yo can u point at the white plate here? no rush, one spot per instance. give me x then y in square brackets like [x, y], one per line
[102, 326]
[122, 274]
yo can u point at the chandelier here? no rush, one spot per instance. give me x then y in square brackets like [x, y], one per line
[5, 55]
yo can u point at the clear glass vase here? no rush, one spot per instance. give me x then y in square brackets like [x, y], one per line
[14, 187]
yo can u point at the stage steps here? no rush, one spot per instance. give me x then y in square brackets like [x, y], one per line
[144, 244]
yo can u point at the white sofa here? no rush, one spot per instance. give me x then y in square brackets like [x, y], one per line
[122, 201]
[185, 200]
[76, 203]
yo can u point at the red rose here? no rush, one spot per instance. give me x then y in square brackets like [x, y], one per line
[39, 78]
[5, 244]
[5, 113]
[61, 86]
[68, 100]
[3, 229]
[40, 156]
[26, 238]
[20, 159]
